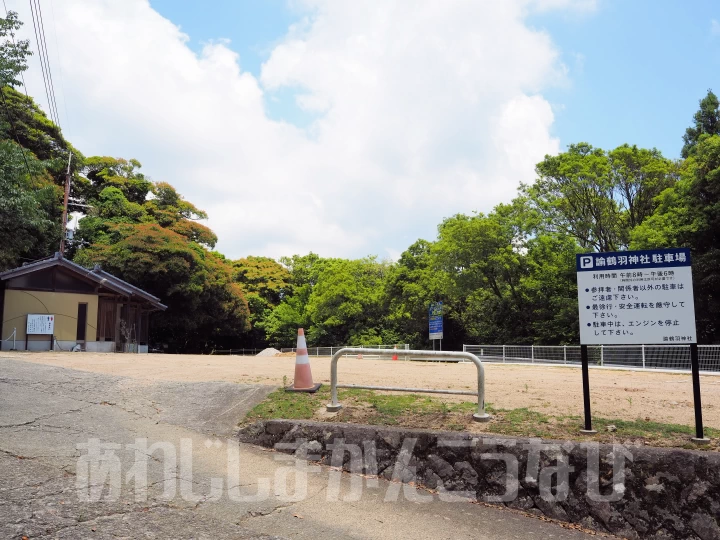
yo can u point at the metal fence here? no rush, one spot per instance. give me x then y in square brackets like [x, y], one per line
[666, 357]
[330, 351]
[240, 352]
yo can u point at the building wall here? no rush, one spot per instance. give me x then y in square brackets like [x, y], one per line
[63, 305]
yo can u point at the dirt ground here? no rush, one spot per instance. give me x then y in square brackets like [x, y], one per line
[627, 395]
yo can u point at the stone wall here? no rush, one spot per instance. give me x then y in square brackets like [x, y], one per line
[630, 491]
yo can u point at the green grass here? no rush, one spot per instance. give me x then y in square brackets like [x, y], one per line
[411, 410]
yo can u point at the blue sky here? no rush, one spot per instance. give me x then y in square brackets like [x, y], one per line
[645, 65]
[361, 130]
[253, 28]
[636, 68]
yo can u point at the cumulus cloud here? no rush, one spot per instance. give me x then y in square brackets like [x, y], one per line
[419, 110]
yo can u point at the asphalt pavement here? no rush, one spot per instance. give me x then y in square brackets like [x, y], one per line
[87, 455]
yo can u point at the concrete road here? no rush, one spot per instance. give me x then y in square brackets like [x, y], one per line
[183, 487]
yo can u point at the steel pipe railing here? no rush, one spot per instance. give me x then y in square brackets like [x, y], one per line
[479, 416]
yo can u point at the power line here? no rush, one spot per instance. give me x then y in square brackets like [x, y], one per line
[62, 85]
[44, 65]
[42, 62]
[47, 60]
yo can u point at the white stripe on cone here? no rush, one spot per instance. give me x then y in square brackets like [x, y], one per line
[303, 375]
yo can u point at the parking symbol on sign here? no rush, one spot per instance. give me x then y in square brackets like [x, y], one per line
[586, 262]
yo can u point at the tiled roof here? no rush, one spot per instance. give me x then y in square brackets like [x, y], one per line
[95, 274]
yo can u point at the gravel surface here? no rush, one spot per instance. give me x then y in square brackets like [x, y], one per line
[45, 412]
[628, 395]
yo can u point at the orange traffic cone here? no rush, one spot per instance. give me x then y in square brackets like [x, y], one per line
[394, 357]
[303, 376]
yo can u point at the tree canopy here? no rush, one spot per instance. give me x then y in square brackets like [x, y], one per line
[13, 53]
[504, 276]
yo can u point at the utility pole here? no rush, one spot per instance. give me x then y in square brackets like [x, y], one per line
[65, 207]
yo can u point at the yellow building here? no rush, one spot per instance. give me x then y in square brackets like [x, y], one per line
[55, 304]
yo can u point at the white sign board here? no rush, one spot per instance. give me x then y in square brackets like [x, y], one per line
[40, 324]
[636, 297]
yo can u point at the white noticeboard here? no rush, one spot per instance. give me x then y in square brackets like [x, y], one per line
[40, 324]
[636, 297]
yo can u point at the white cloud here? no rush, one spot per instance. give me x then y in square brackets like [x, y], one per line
[422, 110]
[715, 27]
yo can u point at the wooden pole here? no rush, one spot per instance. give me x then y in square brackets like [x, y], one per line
[65, 207]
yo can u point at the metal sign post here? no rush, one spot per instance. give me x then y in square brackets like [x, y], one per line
[637, 298]
[586, 391]
[695, 367]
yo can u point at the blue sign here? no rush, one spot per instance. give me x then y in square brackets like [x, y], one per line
[436, 320]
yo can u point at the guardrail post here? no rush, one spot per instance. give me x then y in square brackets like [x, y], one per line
[602, 354]
[503, 354]
[532, 354]
[643, 355]
[564, 354]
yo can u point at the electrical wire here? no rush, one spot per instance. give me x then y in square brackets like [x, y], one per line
[44, 64]
[47, 60]
[59, 63]
[42, 60]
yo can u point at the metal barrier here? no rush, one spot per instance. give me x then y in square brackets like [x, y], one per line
[647, 357]
[479, 416]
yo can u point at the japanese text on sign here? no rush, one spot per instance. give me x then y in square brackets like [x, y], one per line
[636, 297]
[40, 324]
[436, 320]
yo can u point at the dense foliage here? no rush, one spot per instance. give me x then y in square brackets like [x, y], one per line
[507, 276]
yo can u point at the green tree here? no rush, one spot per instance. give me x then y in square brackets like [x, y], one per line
[688, 215]
[598, 197]
[706, 121]
[117, 192]
[145, 233]
[638, 176]
[411, 285]
[106, 172]
[265, 283]
[22, 121]
[549, 289]
[481, 258]
[346, 304]
[206, 308]
[282, 323]
[13, 53]
[29, 209]
[337, 301]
